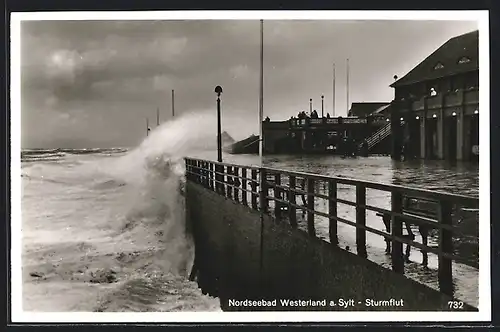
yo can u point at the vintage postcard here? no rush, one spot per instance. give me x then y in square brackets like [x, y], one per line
[233, 166]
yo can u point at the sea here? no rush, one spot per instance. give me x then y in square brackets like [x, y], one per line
[103, 229]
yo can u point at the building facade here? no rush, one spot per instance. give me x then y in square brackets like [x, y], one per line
[435, 113]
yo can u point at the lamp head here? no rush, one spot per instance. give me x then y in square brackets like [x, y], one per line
[218, 90]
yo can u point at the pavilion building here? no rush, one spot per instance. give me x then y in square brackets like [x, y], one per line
[435, 113]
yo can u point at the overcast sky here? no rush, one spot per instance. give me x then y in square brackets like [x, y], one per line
[92, 83]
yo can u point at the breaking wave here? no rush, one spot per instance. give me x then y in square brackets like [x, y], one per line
[124, 223]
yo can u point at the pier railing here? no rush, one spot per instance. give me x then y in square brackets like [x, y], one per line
[278, 193]
[329, 121]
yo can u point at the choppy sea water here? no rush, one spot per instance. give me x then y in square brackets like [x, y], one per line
[103, 229]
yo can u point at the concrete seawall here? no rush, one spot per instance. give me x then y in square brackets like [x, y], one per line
[288, 264]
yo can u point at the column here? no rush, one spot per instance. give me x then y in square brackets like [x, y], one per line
[467, 148]
[396, 131]
[423, 146]
[446, 136]
[460, 134]
[440, 134]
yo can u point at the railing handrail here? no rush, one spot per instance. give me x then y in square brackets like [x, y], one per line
[383, 134]
[434, 194]
[254, 167]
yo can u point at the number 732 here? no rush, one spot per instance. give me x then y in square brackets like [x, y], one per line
[455, 304]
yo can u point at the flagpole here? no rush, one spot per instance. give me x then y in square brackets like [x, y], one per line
[333, 99]
[262, 175]
[347, 90]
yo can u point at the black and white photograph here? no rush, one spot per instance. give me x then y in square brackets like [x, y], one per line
[250, 166]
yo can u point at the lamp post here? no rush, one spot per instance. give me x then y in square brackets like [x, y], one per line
[310, 106]
[322, 106]
[173, 104]
[218, 91]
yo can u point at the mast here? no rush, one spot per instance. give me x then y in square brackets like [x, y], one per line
[262, 191]
[147, 126]
[347, 89]
[157, 116]
[173, 104]
[261, 93]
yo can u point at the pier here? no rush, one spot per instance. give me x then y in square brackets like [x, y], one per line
[260, 233]
[321, 135]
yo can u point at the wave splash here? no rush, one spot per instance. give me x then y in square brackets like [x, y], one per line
[114, 233]
[153, 227]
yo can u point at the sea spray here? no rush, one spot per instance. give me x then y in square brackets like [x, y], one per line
[107, 233]
[154, 176]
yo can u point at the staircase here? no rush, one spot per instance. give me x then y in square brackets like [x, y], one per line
[378, 136]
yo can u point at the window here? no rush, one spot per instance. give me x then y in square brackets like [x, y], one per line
[464, 60]
[439, 65]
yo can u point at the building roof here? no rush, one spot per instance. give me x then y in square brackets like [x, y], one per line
[458, 55]
[364, 109]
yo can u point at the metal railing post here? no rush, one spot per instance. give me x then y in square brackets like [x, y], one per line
[264, 191]
[277, 195]
[211, 176]
[397, 230]
[198, 171]
[229, 182]
[205, 174]
[292, 210]
[254, 186]
[332, 212]
[236, 184]
[445, 246]
[311, 230]
[244, 197]
[361, 220]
